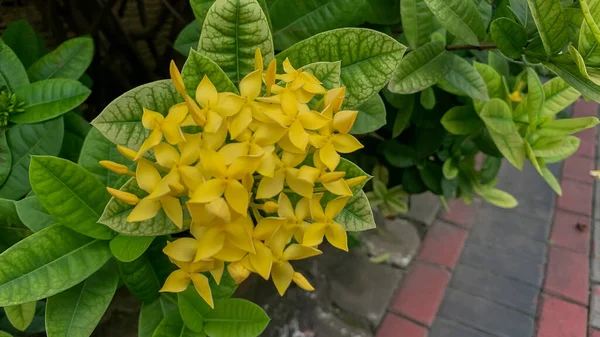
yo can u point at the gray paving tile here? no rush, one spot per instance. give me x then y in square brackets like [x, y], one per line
[484, 315]
[445, 328]
[512, 223]
[496, 288]
[503, 262]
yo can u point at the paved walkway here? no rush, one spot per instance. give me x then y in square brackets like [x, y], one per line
[485, 271]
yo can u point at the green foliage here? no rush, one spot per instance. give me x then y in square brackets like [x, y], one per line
[69, 60]
[129, 248]
[20, 315]
[33, 214]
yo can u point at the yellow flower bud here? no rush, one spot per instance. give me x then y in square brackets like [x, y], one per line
[126, 152]
[126, 197]
[238, 272]
[355, 181]
[116, 167]
[270, 207]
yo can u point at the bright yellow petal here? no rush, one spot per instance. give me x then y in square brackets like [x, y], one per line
[198, 115]
[268, 163]
[336, 235]
[289, 103]
[343, 120]
[335, 98]
[206, 93]
[300, 186]
[302, 282]
[355, 181]
[338, 187]
[302, 209]
[213, 121]
[203, 288]
[270, 207]
[217, 271]
[317, 140]
[213, 162]
[329, 156]
[173, 133]
[282, 274]
[144, 210]
[298, 136]
[189, 150]
[292, 159]
[331, 176]
[262, 261]
[312, 120]
[258, 60]
[270, 187]
[251, 85]
[176, 78]
[239, 236]
[166, 155]
[286, 144]
[268, 134]
[214, 141]
[270, 75]
[209, 191]
[286, 210]
[266, 227]
[230, 152]
[191, 177]
[177, 114]
[229, 105]
[299, 252]
[200, 216]
[147, 176]
[240, 122]
[183, 249]
[242, 166]
[308, 173]
[177, 282]
[287, 66]
[151, 119]
[316, 210]
[313, 235]
[220, 209]
[345, 143]
[237, 196]
[126, 197]
[335, 206]
[173, 209]
[238, 272]
[230, 253]
[210, 242]
[168, 184]
[153, 139]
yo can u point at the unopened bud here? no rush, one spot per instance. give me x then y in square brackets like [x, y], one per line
[126, 197]
[115, 167]
[270, 207]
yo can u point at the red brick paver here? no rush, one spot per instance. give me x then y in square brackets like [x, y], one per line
[561, 319]
[577, 197]
[460, 213]
[588, 142]
[421, 293]
[571, 231]
[568, 274]
[582, 108]
[443, 245]
[594, 333]
[395, 326]
[578, 168]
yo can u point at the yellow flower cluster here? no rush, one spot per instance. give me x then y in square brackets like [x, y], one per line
[258, 150]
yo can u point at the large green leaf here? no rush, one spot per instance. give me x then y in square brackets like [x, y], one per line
[366, 67]
[21, 315]
[116, 213]
[570, 74]
[235, 317]
[522, 12]
[201, 7]
[535, 96]
[371, 116]
[77, 311]
[33, 214]
[12, 229]
[23, 40]
[129, 248]
[550, 20]
[121, 121]
[418, 22]
[420, 69]
[71, 194]
[5, 158]
[383, 12]
[498, 118]
[24, 141]
[69, 60]
[188, 38]
[152, 314]
[197, 66]
[310, 17]
[231, 32]
[47, 263]
[357, 215]
[352, 171]
[558, 95]
[561, 147]
[192, 309]
[568, 126]
[499, 198]
[463, 76]
[459, 17]
[551, 180]
[76, 129]
[96, 148]
[140, 278]
[510, 37]
[12, 72]
[172, 325]
[5, 334]
[328, 73]
[48, 99]
[461, 120]
[588, 44]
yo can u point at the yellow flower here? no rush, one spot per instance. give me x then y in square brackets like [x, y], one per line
[286, 172]
[289, 223]
[325, 225]
[227, 241]
[298, 79]
[282, 272]
[169, 127]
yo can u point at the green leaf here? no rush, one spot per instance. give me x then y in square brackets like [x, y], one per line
[116, 213]
[465, 78]
[499, 198]
[235, 317]
[21, 315]
[310, 17]
[491, 167]
[12, 73]
[379, 188]
[12, 229]
[521, 10]
[570, 74]
[499, 63]
[121, 121]
[371, 116]
[357, 215]
[383, 12]
[201, 7]
[69, 60]
[22, 39]
[72, 195]
[403, 117]
[418, 22]
[579, 62]
[449, 169]
[397, 154]
[5, 158]
[535, 96]
[33, 214]
[197, 66]
[48, 99]
[432, 175]
[510, 37]
[172, 325]
[128, 248]
[558, 95]
[498, 118]
[461, 120]
[188, 38]
[562, 147]
[231, 32]
[76, 129]
[565, 127]
[24, 141]
[327, 72]
[366, 67]
[461, 18]
[77, 311]
[551, 180]
[411, 181]
[494, 82]
[589, 18]
[225, 289]
[427, 98]
[420, 69]
[192, 309]
[152, 314]
[550, 20]
[43, 264]
[532, 158]
[96, 148]
[588, 44]
[140, 278]
[5, 334]
[352, 171]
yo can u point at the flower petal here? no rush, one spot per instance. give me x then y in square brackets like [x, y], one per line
[220, 209]
[343, 120]
[266, 227]
[270, 187]
[191, 177]
[251, 85]
[286, 210]
[289, 103]
[238, 272]
[268, 134]
[338, 187]
[237, 196]
[176, 78]
[213, 121]
[151, 119]
[183, 249]
[302, 282]
[300, 186]
[262, 261]
[144, 210]
[166, 155]
[292, 159]
[217, 271]
[232, 151]
[230, 253]
[316, 210]
[240, 122]
[336, 235]
[209, 191]
[329, 156]
[210, 242]
[302, 209]
[312, 120]
[213, 162]
[198, 115]
[298, 136]
[331, 176]
[242, 166]
[229, 104]
[270, 74]
[127, 152]
[173, 209]
[313, 235]
[282, 274]
[153, 139]
[203, 288]
[177, 114]
[206, 93]
[173, 133]
[177, 282]
[299, 252]
[335, 206]
[345, 143]
[308, 173]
